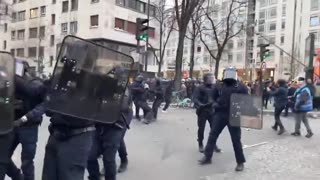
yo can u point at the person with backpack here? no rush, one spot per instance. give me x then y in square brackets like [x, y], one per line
[303, 105]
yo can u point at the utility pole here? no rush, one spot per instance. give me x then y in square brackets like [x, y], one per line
[293, 39]
[147, 40]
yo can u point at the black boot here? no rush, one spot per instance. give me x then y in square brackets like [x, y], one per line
[296, 134]
[205, 160]
[239, 167]
[274, 127]
[281, 131]
[123, 166]
[309, 135]
[201, 148]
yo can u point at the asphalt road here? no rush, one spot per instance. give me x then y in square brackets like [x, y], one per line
[167, 149]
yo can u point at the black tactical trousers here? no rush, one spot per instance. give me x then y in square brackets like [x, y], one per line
[67, 159]
[168, 102]
[28, 138]
[106, 142]
[203, 117]
[156, 104]
[5, 144]
[277, 113]
[221, 120]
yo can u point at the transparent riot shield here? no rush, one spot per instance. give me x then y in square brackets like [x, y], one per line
[7, 71]
[89, 81]
[246, 111]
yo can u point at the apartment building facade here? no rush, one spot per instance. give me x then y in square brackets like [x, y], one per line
[4, 19]
[37, 28]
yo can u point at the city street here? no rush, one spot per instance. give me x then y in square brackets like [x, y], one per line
[167, 149]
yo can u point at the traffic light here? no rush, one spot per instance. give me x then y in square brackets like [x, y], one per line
[142, 29]
[264, 52]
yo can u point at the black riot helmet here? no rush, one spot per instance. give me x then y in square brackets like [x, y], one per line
[208, 79]
[139, 79]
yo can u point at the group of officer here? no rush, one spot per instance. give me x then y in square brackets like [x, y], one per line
[212, 101]
[75, 143]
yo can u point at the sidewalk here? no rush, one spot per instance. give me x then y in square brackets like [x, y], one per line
[286, 159]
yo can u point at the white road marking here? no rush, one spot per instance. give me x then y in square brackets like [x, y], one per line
[254, 145]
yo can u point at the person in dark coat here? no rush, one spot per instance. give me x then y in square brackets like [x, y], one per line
[292, 89]
[280, 101]
[159, 98]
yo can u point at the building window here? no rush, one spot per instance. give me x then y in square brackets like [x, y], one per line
[43, 11]
[65, 6]
[53, 19]
[199, 49]
[273, 2]
[64, 28]
[33, 32]
[4, 45]
[230, 58]
[272, 40]
[283, 25]
[261, 28]
[14, 17]
[141, 6]
[52, 40]
[12, 51]
[73, 27]
[41, 52]
[284, 10]
[94, 21]
[239, 57]
[263, 3]
[230, 45]
[282, 40]
[119, 23]
[33, 13]
[32, 52]
[13, 35]
[121, 2]
[74, 5]
[14, 1]
[262, 14]
[273, 13]
[21, 16]
[272, 27]
[42, 32]
[131, 27]
[51, 61]
[314, 5]
[5, 27]
[314, 21]
[54, 1]
[94, 1]
[132, 4]
[20, 52]
[21, 34]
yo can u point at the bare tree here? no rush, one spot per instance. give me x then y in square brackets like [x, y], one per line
[166, 20]
[221, 30]
[184, 10]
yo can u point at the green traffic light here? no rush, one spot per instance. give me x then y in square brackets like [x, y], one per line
[143, 36]
[266, 56]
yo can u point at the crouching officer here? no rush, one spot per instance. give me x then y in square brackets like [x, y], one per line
[6, 110]
[108, 139]
[29, 93]
[203, 100]
[221, 97]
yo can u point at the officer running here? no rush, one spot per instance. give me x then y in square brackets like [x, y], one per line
[203, 99]
[221, 97]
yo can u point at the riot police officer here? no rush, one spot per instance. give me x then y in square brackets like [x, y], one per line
[6, 110]
[222, 97]
[139, 93]
[203, 100]
[159, 93]
[109, 138]
[29, 93]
